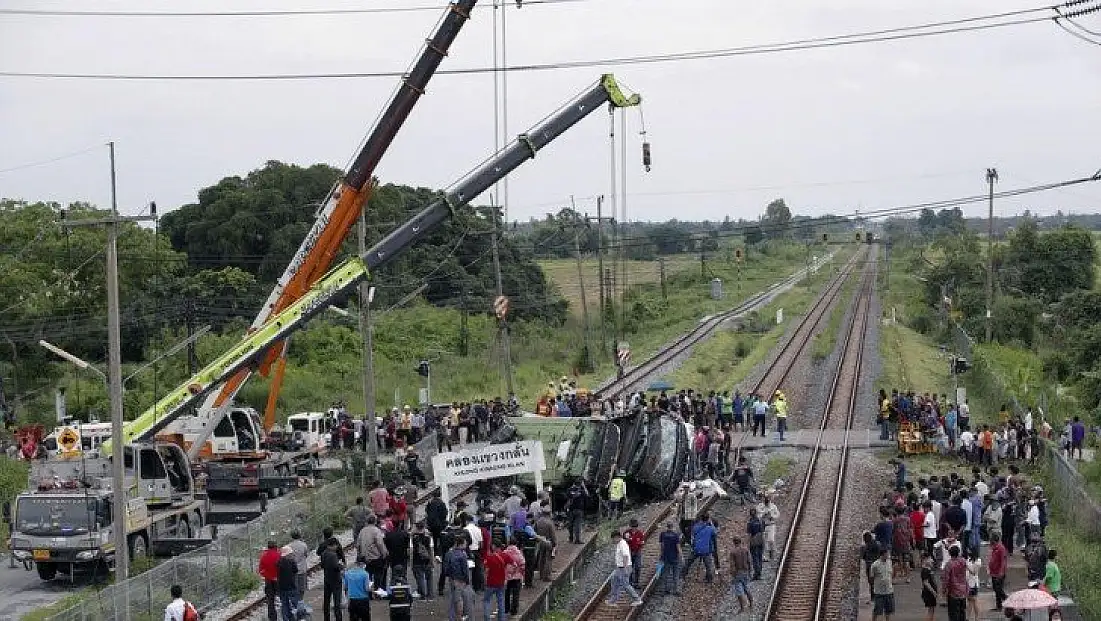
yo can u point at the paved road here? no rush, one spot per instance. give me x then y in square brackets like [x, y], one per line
[23, 591]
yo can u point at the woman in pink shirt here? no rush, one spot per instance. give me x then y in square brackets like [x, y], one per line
[514, 576]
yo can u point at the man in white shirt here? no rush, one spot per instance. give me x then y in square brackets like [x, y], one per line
[965, 536]
[982, 488]
[622, 573]
[1028, 420]
[929, 526]
[175, 610]
[1032, 521]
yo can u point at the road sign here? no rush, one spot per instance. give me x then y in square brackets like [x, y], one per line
[500, 306]
[68, 439]
[623, 354]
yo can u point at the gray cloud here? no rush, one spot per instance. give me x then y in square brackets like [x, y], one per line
[909, 121]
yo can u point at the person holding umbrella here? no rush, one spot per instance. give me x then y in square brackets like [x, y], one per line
[1031, 599]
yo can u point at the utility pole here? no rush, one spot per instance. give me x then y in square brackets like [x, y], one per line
[600, 269]
[502, 322]
[189, 324]
[623, 204]
[661, 274]
[366, 330]
[991, 177]
[581, 284]
[609, 284]
[114, 372]
[464, 332]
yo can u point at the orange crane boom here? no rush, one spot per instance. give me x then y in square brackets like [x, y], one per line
[342, 208]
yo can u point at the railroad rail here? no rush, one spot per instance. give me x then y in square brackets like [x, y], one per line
[596, 609]
[803, 589]
[255, 606]
[639, 373]
[784, 361]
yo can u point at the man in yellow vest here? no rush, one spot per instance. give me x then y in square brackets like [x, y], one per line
[780, 405]
[617, 492]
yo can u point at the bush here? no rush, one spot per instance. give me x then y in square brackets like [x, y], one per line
[1056, 365]
[741, 349]
[922, 322]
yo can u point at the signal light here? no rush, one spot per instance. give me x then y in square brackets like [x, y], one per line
[423, 369]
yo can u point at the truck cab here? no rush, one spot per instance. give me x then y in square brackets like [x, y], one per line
[66, 525]
[309, 430]
[237, 434]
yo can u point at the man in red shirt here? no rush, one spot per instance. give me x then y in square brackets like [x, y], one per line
[495, 564]
[954, 579]
[269, 558]
[917, 521]
[996, 566]
[635, 539]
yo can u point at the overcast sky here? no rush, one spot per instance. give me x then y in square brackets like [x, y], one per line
[833, 130]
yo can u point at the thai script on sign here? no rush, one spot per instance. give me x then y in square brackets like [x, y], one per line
[488, 462]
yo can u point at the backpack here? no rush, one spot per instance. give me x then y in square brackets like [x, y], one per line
[190, 614]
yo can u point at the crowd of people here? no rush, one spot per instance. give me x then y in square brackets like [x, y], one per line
[451, 553]
[454, 425]
[938, 529]
[696, 539]
[947, 426]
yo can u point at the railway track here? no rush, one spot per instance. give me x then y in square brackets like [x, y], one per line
[641, 373]
[784, 361]
[596, 609]
[803, 588]
[255, 607]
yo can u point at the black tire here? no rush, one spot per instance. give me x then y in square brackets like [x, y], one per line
[47, 571]
[139, 546]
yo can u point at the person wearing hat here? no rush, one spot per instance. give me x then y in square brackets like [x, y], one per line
[617, 492]
[287, 582]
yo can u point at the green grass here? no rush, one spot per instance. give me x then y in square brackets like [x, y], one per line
[778, 467]
[911, 361]
[728, 357]
[1078, 558]
[825, 340]
[563, 273]
[45, 612]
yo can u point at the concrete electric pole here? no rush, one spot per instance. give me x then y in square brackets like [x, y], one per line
[114, 371]
[991, 177]
[366, 295]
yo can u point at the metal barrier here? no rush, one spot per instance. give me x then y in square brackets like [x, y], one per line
[222, 571]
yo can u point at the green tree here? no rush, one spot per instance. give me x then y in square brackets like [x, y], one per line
[777, 218]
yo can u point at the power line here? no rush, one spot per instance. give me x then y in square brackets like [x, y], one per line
[50, 160]
[260, 13]
[1076, 35]
[876, 36]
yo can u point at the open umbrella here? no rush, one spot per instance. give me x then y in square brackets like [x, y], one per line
[1030, 600]
[660, 385]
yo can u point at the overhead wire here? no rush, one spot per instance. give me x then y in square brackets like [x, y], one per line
[255, 13]
[961, 25]
[51, 160]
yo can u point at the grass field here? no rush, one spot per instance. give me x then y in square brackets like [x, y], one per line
[730, 355]
[563, 273]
